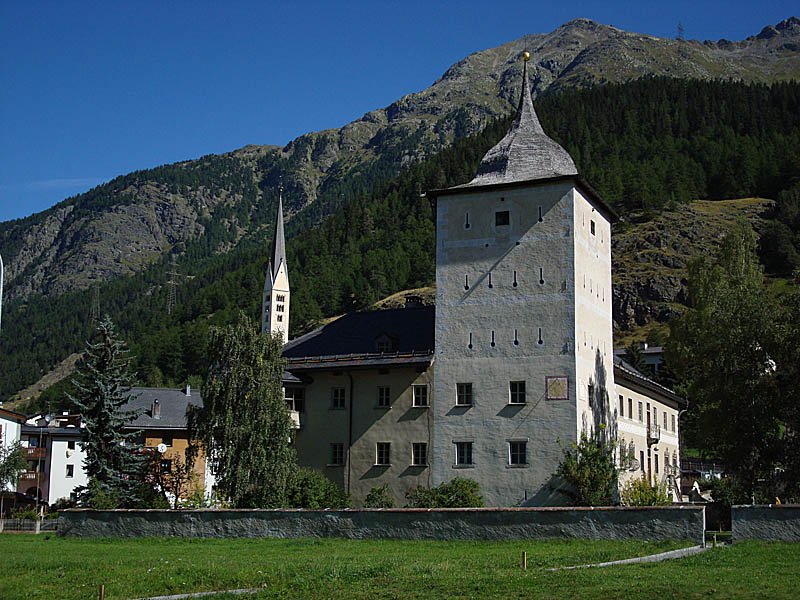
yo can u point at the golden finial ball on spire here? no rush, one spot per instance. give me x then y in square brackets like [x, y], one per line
[526, 56]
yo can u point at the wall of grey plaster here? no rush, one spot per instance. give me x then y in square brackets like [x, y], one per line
[467, 256]
[776, 523]
[667, 523]
[400, 425]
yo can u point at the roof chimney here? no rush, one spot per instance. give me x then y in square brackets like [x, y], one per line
[188, 390]
[155, 411]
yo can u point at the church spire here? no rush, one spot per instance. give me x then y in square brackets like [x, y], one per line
[526, 152]
[275, 298]
[278, 255]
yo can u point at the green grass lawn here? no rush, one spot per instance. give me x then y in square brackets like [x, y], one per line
[46, 566]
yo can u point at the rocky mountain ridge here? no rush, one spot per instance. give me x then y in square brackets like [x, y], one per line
[214, 202]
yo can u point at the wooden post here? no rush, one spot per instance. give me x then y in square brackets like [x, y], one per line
[102, 592]
[524, 563]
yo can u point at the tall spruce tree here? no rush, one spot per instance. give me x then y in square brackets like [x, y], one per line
[722, 349]
[114, 463]
[244, 427]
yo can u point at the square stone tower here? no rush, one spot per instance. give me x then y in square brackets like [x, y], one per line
[524, 357]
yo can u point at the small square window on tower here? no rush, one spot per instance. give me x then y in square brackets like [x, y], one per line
[516, 392]
[502, 217]
[463, 394]
[517, 453]
[463, 454]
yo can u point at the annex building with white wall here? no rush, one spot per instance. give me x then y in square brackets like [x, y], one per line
[511, 366]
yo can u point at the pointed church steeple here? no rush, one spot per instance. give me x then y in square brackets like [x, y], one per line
[275, 298]
[278, 255]
[526, 152]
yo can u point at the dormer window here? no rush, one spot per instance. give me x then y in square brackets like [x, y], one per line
[385, 343]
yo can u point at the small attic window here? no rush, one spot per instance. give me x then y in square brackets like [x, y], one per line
[384, 343]
[501, 217]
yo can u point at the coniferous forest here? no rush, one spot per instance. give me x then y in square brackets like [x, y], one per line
[646, 145]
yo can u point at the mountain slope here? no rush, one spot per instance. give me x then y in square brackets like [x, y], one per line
[209, 205]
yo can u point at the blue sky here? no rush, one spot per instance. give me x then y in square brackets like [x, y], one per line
[91, 90]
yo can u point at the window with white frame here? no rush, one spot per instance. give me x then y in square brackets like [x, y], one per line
[630, 408]
[337, 454]
[516, 392]
[463, 454]
[641, 413]
[295, 398]
[384, 398]
[337, 398]
[419, 454]
[621, 406]
[517, 453]
[383, 453]
[665, 421]
[672, 423]
[463, 394]
[70, 470]
[420, 395]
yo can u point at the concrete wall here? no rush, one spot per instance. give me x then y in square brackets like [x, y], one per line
[400, 424]
[592, 340]
[540, 300]
[775, 523]
[656, 523]
[9, 435]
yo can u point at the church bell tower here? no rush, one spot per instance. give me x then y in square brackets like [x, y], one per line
[275, 298]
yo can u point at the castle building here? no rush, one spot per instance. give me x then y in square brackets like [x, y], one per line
[514, 363]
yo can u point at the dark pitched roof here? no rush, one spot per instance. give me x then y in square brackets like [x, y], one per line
[526, 152]
[174, 405]
[624, 370]
[351, 340]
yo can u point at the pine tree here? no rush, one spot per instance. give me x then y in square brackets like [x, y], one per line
[114, 463]
[244, 426]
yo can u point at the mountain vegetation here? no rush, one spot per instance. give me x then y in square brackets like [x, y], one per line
[648, 146]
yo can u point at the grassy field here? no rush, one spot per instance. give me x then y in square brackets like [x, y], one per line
[45, 566]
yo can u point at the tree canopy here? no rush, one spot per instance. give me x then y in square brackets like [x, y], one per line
[244, 427]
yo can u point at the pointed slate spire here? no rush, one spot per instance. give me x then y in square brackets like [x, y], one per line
[526, 152]
[278, 254]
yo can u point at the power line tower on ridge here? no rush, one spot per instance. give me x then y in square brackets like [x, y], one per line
[172, 285]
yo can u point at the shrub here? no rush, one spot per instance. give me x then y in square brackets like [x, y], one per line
[311, 489]
[639, 492]
[456, 493]
[589, 467]
[379, 497]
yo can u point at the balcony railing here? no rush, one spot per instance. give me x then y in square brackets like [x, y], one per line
[35, 453]
[28, 476]
[653, 433]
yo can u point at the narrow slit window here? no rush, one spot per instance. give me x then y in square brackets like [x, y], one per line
[466, 282]
[541, 341]
[591, 227]
[466, 221]
[493, 344]
[540, 215]
[470, 341]
[541, 276]
[490, 281]
[515, 284]
[516, 338]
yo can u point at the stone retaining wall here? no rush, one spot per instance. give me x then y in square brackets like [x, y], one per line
[778, 523]
[652, 523]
